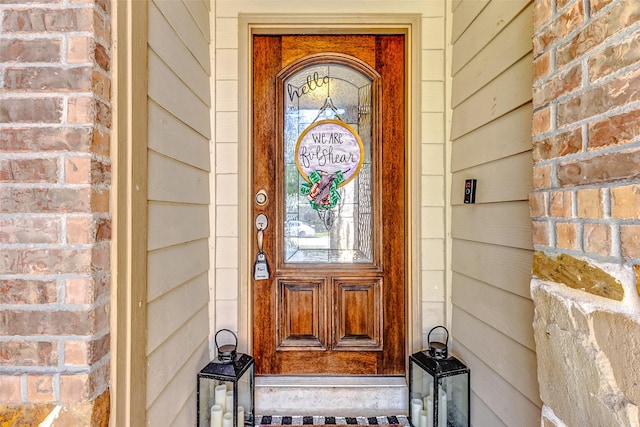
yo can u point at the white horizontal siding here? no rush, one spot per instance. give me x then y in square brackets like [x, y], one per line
[179, 195]
[491, 240]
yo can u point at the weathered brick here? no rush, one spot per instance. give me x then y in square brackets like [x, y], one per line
[630, 240]
[77, 170]
[31, 50]
[615, 130]
[10, 389]
[537, 204]
[614, 58]
[567, 235]
[84, 387]
[100, 172]
[40, 389]
[559, 85]
[540, 233]
[625, 202]
[589, 203]
[541, 67]
[597, 238]
[86, 230]
[601, 99]
[43, 322]
[100, 201]
[80, 49]
[561, 4]
[86, 290]
[23, 291]
[31, 110]
[101, 142]
[101, 85]
[45, 261]
[102, 57]
[46, 200]
[624, 14]
[81, 353]
[542, 12]
[602, 169]
[28, 170]
[53, 79]
[558, 29]
[541, 176]
[100, 257]
[558, 145]
[79, 230]
[597, 5]
[560, 204]
[102, 227]
[541, 121]
[28, 353]
[46, 139]
[29, 230]
[41, 20]
[102, 27]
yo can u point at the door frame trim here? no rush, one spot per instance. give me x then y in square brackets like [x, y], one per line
[408, 24]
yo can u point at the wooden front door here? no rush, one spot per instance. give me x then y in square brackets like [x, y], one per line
[329, 175]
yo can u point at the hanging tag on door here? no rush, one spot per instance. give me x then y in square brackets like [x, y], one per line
[260, 268]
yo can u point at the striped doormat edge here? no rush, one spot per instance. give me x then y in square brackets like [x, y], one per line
[304, 420]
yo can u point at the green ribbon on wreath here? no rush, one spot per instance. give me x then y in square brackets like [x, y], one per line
[322, 189]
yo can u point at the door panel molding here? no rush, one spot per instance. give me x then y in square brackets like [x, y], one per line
[303, 311]
[409, 24]
[358, 306]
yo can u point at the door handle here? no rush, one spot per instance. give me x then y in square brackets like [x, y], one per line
[260, 267]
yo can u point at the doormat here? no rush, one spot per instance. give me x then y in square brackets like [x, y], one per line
[302, 420]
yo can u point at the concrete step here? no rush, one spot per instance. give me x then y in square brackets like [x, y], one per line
[331, 396]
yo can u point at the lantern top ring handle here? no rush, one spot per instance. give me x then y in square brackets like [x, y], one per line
[436, 327]
[226, 352]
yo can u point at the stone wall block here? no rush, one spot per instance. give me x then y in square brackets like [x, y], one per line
[612, 332]
[573, 373]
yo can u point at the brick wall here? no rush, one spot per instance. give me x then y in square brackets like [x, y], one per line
[55, 228]
[586, 206]
[587, 128]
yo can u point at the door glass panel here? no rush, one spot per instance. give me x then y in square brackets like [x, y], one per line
[340, 229]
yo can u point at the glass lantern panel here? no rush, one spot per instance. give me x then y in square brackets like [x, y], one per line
[453, 401]
[216, 399]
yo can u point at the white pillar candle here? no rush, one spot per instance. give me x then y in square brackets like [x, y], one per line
[240, 416]
[229, 402]
[424, 418]
[442, 409]
[216, 416]
[221, 396]
[428, 404]
[227, 420]
[416, 407]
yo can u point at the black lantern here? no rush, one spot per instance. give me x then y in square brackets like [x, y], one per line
[438, 387]
[226, 388]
